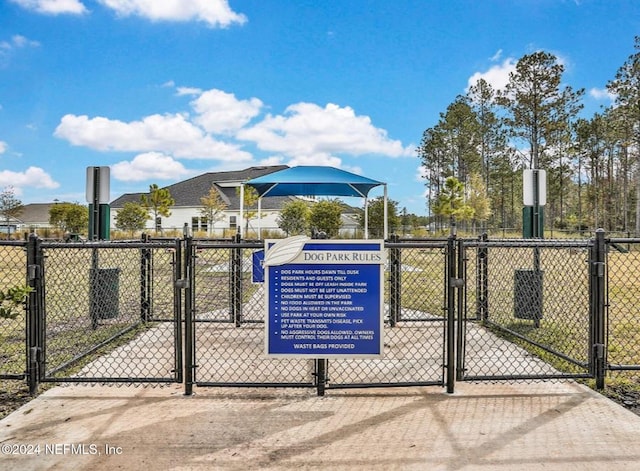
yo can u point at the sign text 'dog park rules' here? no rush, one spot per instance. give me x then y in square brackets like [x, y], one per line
[324, 298]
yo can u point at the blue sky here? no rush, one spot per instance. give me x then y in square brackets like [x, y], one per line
[162, 90]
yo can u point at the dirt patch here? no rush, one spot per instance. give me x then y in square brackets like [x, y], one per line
[13, 394]
[628, 397]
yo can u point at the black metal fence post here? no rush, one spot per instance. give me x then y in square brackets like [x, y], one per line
[482, 307]
[236, 281]
[188, 282]
[395, 270]
[459, 282]
[35, 315]
[451, 283]
[321, 375]
[597, 287]
[146, 281]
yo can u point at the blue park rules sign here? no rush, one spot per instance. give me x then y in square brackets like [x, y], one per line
[324, 298]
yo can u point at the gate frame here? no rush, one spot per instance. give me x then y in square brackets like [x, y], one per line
[321, 367]
[595, 365]
[36, 307]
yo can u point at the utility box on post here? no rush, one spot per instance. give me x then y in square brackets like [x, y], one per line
[527, 295]
[104, 294]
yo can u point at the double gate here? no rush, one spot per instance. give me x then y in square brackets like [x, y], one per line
[455, 310]
[225, 316]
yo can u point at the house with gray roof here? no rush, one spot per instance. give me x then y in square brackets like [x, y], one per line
[33, 216]
[188, 206]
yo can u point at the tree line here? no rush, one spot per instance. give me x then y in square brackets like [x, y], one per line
[487, 137]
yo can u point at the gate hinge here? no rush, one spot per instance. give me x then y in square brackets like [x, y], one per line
[599, 351]
[598, 269]
[33, 272]
[182, 283]
[456, 282]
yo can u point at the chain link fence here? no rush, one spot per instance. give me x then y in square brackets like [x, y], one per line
[525, 311]
[623, 301]
[415, 318]
[13, 331]
[228, 315]
[110, 312]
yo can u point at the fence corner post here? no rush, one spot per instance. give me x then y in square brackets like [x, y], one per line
[597, 285]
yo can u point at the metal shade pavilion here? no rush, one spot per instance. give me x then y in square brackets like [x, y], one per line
[311, 180]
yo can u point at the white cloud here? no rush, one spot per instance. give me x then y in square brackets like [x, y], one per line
[20, 41]
[222, 113]
[181, 91]
[602, 94]
[307, 131]
[16, 42]
[150, 165]
[216, 13]
[497, 76]
[496, 57]
[33, 176]
[316, 159]
[170, 133]
[53, 7]
[3, 147]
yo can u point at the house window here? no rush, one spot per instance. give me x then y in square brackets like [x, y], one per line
[199, 224]
[233, 222]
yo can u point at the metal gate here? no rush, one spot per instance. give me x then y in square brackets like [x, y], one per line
[107, 312]
[527, 310]
[225, 331]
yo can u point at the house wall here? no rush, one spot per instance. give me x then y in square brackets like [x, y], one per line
[268, 222]
[180, 216]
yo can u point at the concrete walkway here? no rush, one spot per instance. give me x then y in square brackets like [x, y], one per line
[550, 426]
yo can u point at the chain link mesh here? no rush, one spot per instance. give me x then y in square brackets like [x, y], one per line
[623, 281]
[527, 309]
[112, 314]
[109, 312]
[414, 330]
[230, 332]
[13, 358]
[229, 323]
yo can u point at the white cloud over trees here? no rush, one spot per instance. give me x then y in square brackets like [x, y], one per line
[497, 76]
[219, 126]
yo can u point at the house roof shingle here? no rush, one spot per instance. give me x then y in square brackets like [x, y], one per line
[188, 192]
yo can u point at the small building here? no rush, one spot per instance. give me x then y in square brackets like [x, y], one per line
[34, 217]
[188, 205]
